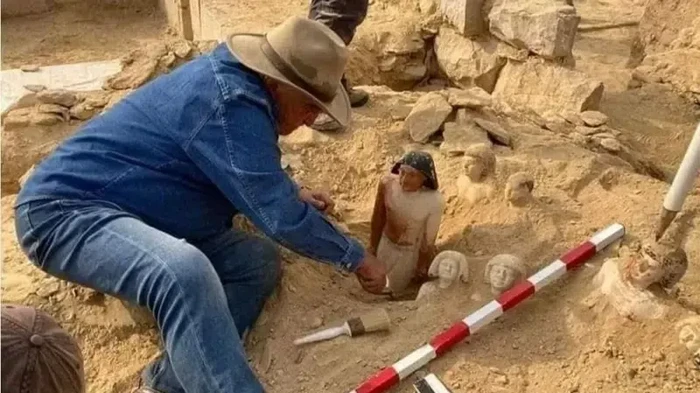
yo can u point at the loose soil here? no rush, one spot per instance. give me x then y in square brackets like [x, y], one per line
[551, 343]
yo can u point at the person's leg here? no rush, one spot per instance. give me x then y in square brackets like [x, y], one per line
[116, 254]
[249, 269]
[343, 17]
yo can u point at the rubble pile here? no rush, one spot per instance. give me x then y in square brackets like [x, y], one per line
[668, 46]
[48, 114]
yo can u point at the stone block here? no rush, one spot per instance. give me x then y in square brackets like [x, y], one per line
[541, 26]
[464, 15]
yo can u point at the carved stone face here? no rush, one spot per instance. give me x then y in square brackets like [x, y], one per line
[473, 168]
[502, 277]
[644, 271]
[479, 162]
[447, 272]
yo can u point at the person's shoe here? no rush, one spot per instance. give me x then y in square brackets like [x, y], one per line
[357, 98]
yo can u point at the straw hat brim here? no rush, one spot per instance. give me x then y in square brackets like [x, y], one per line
[246, 47]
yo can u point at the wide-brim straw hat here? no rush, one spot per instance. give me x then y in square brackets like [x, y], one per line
[304, 54]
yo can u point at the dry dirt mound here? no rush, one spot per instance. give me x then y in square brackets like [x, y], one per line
[577, 191]
[589, 171]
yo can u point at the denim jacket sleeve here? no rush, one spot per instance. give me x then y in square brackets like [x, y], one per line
[237, 149]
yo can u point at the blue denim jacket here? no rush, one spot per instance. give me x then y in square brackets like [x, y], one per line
[185, 153]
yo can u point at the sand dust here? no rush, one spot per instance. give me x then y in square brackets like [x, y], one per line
[554, 342]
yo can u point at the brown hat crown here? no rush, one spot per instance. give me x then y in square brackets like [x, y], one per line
[38, 356]
[311, 52]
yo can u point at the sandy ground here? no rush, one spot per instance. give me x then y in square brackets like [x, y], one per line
[79, 31]
[555, 342]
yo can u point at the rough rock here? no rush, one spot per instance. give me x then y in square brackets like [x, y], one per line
[45, 119]
[15, 119]
[495, 130]
[35, 88]
[464, 15]
[547, 88]
[58, 97]
[468, 63]
[168, 60]
[557, 124]
[667, 49]
[83, 111]
[593, 118]
[115, 97]
[25, 147]
[459, 137]
[182, 49]
[29, 68]
[139, 66]
[610, 144]
[392, 54]
[427, 116]
[662, 23]
[54, 109]
[427, 7]
[544, 27]
[98, 98]
[473, 97]
[677, 67]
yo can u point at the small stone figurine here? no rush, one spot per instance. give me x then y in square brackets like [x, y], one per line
[406, 218]
[479, 164]
[448, 266]
[504, 271]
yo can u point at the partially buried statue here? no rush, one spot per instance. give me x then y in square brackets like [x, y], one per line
[406, 218]
[660, 263]
[624, 281]
[504, 271]
[449, 267]
[479, 164]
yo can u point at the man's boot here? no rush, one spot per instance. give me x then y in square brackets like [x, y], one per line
[357, 98]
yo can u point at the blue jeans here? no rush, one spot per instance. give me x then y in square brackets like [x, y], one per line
[203, 295]
[342, 16]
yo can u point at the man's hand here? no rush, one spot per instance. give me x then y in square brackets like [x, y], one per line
[319, 199]
[372, 274]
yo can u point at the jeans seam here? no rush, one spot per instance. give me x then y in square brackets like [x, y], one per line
[176, 282]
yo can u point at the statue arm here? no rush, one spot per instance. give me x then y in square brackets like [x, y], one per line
[378, 217]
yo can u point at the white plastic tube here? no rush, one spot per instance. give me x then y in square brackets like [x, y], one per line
[688, 171]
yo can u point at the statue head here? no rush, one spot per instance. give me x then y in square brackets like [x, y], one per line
[519, 188]
[479, 162]
[503, 271]
[658, 262]
[448, 266]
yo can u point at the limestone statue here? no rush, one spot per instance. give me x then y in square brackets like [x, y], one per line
[519, 188]
[405, 221]
[658, 263]
[504, 271]
[622, 282]
[449, 267]
[479, 164]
